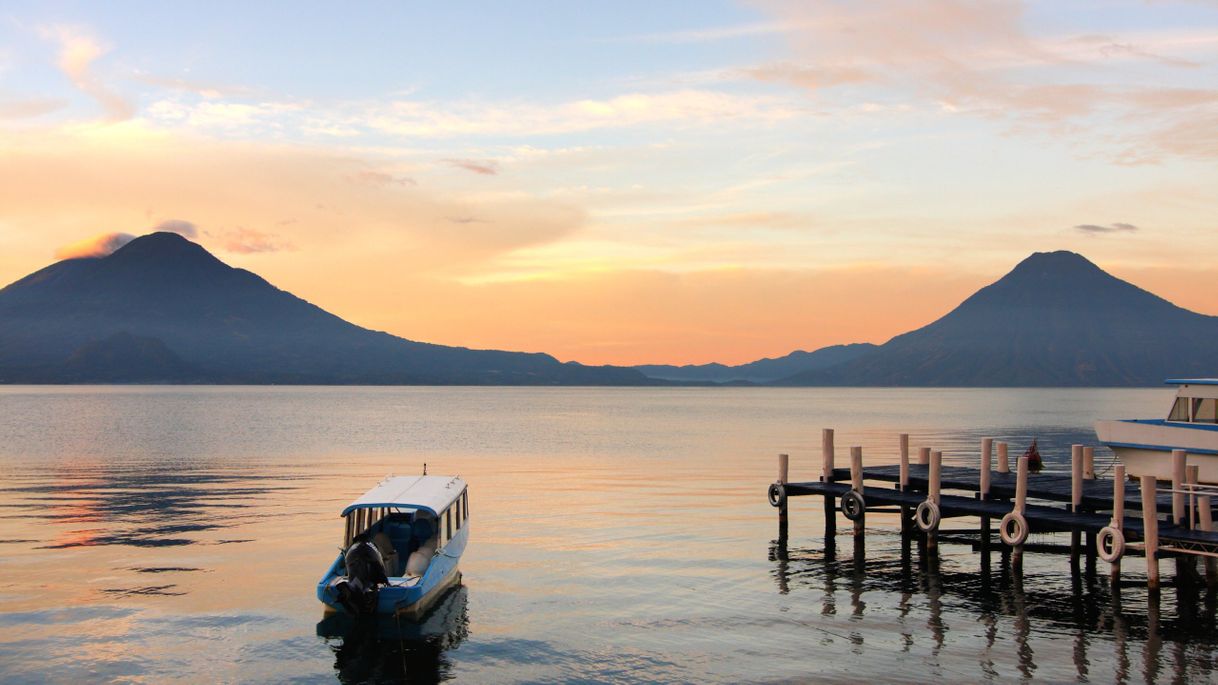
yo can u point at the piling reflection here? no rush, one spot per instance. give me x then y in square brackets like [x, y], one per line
[384, 650]
[1014, 613]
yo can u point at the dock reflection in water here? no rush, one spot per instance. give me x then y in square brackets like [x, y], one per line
[386, 650]
[1122, 628]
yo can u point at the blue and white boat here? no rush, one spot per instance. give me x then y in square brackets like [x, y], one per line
[401, 548]
[1145, 445]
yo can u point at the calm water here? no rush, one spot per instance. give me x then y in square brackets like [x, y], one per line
[155, 534]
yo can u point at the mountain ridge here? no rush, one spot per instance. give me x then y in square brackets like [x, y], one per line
[234, 327]
[1056, 319]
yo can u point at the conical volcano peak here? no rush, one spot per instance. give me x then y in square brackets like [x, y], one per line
[1058, 262]
[161, 244]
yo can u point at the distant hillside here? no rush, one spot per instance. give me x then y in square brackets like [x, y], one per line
[762, 370]
[162, 308]
[1055, 320]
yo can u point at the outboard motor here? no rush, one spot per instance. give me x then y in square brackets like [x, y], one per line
[358, 590]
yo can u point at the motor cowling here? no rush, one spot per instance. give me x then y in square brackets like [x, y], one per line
[358, 591]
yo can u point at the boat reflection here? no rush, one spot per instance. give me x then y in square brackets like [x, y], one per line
[380, 649]
[1174, 638]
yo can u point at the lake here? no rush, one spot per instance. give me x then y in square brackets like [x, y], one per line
[176, 534]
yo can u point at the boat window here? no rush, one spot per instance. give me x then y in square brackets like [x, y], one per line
[448, 522]
[1179, 411]
[458, 508]
[465, 502]
[1205, 410]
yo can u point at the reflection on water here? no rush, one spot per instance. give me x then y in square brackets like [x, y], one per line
[386, 650]
[618, 535]
[1116, 630]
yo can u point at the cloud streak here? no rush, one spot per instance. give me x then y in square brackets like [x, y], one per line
[78, 50]
[485, 167]
[1106, 228]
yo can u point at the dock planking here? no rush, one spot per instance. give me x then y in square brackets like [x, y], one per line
[1097, 493]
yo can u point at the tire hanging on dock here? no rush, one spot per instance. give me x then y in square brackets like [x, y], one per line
[777, 495]
[853, 505]
[927, 516]
[1110, 544]
[1013, 529]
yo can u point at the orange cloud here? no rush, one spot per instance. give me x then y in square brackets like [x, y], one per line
[97, 246]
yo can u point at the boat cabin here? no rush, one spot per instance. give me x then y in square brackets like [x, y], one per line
[410, 519]
[1196, 401]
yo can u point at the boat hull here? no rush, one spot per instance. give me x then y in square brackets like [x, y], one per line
[409, 601]
[1145, 446]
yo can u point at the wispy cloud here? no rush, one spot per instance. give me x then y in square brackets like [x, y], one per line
[242, 240]
[78, 50]
[1106, 228]
[981, 59]
[30, 108]
[486, 167]
[179, 226]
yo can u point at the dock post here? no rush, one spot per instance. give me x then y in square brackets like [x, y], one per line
[903, 483]
[1076, 498]
[1118, 513]
[784, 462]
[924, 456]
[983, 493]
[987, 445]
[1179, 461]
[856, 484]
[1205, 517]
[932, 492]
[1089, 463]
[1150, 524]
[1187, 566]
[1192, 476]
[826, 446]
[1004, 465]
[1021, 506]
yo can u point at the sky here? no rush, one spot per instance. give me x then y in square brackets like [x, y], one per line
[626, 182]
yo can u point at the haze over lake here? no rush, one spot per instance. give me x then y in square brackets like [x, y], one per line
[177, 533]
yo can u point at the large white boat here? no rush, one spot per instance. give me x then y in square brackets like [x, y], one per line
[1145, 445]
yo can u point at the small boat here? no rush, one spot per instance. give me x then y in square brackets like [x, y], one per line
[401, 548]
[1145, 445]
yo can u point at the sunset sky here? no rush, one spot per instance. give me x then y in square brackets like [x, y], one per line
[625, 183]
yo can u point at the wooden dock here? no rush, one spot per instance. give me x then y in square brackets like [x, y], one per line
[1173, 520]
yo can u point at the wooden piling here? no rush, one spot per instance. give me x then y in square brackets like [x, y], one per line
[903, 482]
[983, 492]
[784, 463]
[1118, 512]
[1021, 506]
[1076, 497]
[987, 445]
[924, 456]
[1004, 465]
[826, 446]
[856, 484]
[1088, 463]
[1192, 476]
[1205, 517]
[934, 476]
[1179, 462]
[1150, 525]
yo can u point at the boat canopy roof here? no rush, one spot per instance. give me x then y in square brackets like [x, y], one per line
[430, 493]
[1191, 381]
